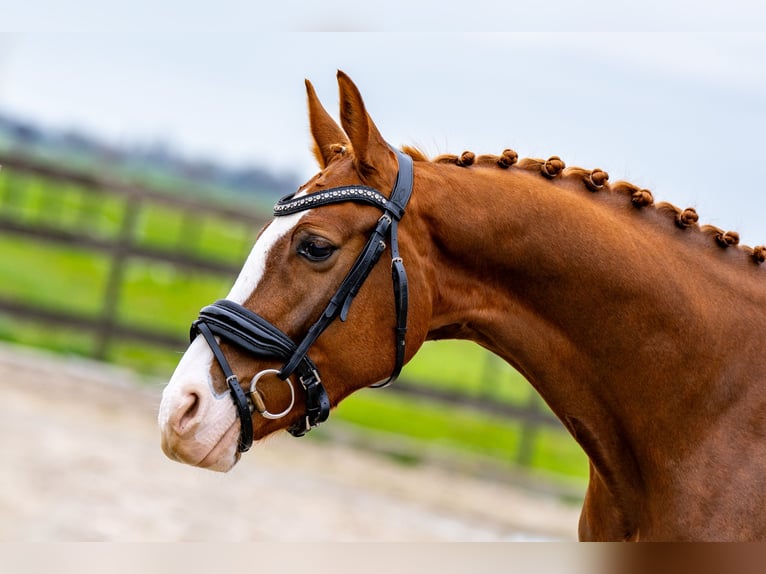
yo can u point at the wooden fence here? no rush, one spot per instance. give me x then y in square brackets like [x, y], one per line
[121, 246]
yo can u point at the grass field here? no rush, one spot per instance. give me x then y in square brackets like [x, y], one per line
[158, 295]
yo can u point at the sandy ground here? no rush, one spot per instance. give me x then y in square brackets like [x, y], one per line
[81, 461]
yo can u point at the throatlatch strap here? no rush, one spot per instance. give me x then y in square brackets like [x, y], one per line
[401, 301]
[399, 198]
[405, 181]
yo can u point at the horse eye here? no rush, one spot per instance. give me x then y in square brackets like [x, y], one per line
[316, 249]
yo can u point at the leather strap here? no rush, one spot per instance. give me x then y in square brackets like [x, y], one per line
[237, 394]
[246, 329]
[360, 193]
[317, 405]
[399, 198]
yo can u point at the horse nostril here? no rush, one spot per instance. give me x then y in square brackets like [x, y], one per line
[189, 412]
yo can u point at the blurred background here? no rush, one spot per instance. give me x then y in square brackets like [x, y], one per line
[137, 173]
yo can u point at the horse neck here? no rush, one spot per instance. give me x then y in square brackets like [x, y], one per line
[593, 300]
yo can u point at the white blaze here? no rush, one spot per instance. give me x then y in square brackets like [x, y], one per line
[192, 375]
[252, 270]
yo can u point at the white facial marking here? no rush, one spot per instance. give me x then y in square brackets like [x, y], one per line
[195, 364]
[192, 375]
[252, 270]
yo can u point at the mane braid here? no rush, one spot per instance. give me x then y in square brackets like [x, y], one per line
[596, 180]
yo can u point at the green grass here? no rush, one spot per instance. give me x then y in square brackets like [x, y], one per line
[152, 361]
[156, 295]
[212, 238]
[159, 296]
[466, 432]
[65, 341]
[466, 367]
[33, 200]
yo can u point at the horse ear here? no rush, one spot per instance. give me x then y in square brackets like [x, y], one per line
[373, 157]
[326, 133]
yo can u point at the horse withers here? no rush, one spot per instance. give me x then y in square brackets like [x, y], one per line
[641, 329]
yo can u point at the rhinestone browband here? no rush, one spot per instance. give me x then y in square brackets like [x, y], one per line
[291, 204]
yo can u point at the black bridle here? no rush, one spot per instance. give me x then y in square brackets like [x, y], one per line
[239, 326]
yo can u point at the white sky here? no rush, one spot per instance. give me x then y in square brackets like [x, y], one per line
[680, 113]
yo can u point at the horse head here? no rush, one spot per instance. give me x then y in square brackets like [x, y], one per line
[315, 313]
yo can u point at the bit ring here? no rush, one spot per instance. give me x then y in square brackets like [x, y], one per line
[257, 399]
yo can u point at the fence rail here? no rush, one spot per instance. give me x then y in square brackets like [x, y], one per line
[121, 246]
[126, 248]
[99, 184]
[66, 319]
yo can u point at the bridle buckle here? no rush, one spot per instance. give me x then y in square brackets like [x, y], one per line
[312, 378]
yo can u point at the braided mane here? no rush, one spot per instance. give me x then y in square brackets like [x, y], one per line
[597, 180]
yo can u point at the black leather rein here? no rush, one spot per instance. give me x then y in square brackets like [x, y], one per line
[249, 331]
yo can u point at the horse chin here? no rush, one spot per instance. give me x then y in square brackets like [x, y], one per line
[221, 457]
[225, 454]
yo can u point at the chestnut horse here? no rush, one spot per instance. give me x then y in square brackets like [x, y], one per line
[641, 329]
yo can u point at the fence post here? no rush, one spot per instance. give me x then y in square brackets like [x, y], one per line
[492, 372]
[108, 318]
[528, 431]
[189, 233]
